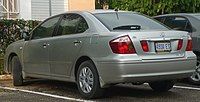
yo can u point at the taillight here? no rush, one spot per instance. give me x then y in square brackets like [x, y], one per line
[189, 45]
[144, 45]
[180, 44]
[122, 45]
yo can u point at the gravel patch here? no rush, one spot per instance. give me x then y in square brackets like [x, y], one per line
[5, 77]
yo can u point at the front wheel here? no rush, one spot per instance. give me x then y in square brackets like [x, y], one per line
[161, 86]
[88, 80]
[16, 71]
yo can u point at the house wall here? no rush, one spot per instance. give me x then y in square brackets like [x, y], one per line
[59, 6]
[39, 9]
[86, 5]
[25, 9]
[1, 11]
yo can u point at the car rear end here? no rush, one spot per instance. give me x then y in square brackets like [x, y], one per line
[141, 51]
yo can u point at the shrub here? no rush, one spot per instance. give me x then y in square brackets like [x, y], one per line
[153, 7]
[1, 65]
[11, 31]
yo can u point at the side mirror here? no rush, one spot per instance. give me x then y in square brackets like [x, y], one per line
[26, 36]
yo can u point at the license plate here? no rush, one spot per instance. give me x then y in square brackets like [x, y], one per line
[163, 46]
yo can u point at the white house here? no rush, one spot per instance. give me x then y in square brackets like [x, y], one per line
[41, 9]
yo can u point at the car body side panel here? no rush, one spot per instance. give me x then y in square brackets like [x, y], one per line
[14, 48]
[36, 56]
[63, 52]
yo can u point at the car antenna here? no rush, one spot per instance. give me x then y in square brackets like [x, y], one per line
[116, 11]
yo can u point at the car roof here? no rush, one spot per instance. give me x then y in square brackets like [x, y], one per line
[100, 11]
[105, 11]
[97, 11]
[178, 14]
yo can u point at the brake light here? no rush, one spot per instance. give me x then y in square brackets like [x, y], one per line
[122, 45]
[180, 44]
[189, 45]
[144, 45]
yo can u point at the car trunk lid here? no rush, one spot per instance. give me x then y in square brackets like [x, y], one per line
[161, 44]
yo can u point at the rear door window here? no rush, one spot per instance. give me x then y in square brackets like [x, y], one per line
[72, 24]
[160, 19]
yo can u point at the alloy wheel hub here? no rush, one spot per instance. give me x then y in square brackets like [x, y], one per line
[196, 75]
[86, 80]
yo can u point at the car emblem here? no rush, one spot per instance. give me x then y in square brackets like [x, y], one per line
[162, 35]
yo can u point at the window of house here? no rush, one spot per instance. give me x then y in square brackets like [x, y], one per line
[10, 8]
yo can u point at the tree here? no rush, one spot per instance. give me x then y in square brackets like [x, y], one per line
[156, 7]
[104, 4]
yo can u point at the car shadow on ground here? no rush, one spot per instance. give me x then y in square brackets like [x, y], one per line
[117, 92]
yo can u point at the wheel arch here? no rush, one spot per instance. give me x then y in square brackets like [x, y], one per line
[11, 55]
[79, 61]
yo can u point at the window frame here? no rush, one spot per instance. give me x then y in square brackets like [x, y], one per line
[62, 16]
[31, 33]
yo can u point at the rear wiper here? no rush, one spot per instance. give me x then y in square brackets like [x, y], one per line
[128, 27]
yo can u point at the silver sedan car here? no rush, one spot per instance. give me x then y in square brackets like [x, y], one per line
[102, 48]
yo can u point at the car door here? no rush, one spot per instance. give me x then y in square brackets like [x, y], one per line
[65, 46]
[36, 50]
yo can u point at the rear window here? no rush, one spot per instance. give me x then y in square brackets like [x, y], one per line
[113, 20]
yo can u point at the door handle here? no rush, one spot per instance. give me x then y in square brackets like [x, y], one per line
[77, 42]
[45, 45]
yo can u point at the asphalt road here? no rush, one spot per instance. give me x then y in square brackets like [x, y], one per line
[56, 91]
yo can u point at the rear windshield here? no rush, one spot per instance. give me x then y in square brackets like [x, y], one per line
[113, 20]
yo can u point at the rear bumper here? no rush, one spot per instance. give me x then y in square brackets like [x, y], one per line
[145, 71]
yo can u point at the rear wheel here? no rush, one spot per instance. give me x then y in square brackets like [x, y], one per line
[161, 86]
[16, 71]
[195, 77]
[88, 80]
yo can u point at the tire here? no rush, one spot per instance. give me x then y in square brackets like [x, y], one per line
[88, 81]
[161, 86]
[195, 77]
[16, 71]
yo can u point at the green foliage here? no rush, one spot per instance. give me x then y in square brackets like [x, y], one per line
[1, 65]
[13, 30]
[99, 3]
[156, 7]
